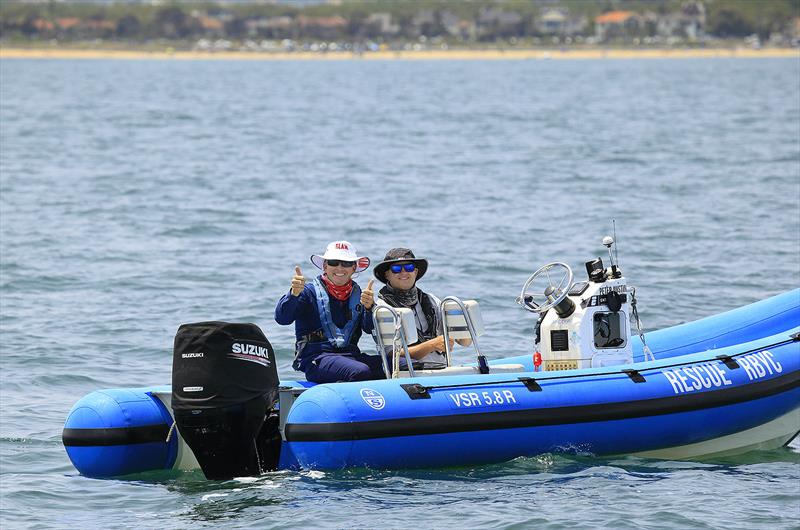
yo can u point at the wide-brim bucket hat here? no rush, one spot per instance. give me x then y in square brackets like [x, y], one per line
[399, 255]
[343, 251]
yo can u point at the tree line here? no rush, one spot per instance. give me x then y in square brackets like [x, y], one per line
[375, 20]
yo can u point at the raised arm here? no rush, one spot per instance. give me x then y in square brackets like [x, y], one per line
[368, 301]
[287, 308]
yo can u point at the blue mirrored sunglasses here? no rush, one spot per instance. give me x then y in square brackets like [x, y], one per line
[408, 267]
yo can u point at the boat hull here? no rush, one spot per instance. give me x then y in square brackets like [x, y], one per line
[685, 402]
[723, 385]
[764, 437]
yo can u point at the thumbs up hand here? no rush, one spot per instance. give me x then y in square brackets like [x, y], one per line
[367, 296]
[298, 281]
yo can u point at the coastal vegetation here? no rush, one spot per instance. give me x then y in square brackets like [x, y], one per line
[364, 26]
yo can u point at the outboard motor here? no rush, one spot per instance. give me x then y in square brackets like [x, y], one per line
[224, 388]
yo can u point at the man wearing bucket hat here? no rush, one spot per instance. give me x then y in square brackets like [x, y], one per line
[400, 270]
[329, 314]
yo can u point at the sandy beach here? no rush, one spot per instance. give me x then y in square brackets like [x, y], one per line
[568, 54]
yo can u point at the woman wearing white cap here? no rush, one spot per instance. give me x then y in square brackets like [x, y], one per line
[329, 314]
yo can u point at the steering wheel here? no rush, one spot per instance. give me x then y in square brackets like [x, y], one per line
[555, 281]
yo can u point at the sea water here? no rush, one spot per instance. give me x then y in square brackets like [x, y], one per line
[138, 195]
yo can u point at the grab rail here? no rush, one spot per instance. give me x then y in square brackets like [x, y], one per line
[724, 359]
[400, 334]
[483, 364]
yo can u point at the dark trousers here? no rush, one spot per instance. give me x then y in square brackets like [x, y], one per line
[333, 367]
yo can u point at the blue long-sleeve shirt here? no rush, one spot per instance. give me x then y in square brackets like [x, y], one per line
[302, 310]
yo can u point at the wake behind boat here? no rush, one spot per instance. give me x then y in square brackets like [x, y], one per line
[723, 385]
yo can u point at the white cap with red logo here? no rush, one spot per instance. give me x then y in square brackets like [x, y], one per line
[341, 251]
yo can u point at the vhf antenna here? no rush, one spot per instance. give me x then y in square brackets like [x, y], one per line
[608, 242]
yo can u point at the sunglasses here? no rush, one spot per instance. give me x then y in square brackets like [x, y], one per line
[338, 262]
[408, 267]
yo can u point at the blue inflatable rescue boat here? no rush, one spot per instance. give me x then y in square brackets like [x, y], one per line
[723, 385]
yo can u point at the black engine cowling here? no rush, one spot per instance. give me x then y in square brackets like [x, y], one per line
[224, 391]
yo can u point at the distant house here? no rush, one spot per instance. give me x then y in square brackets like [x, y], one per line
[423, 17]
[321, 27]
[43, 26]
[425, 23]
[99, 27]
[210, 26]
[383, 24]
[211, 23]
[552, 22]
[457, 26]
[450, 22]
[95, 27]
[558, 22]
[496, 22]
[688, 23]
[617, 25]
[100, 24]
[68, 23]
[693, 19]
[336, 22]
[669, 25]
[270, 27]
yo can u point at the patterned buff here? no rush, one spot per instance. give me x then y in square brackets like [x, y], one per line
[340, 292]
[399, 297]
[409, 299]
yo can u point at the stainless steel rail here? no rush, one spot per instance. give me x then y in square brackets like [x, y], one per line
[399, 334]
[482, 363]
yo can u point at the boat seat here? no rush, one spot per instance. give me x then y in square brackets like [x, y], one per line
[466, 370]
[460, 319]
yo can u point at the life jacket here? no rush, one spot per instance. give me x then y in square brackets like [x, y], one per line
[427, 308]
[338, 337]
[429, 305]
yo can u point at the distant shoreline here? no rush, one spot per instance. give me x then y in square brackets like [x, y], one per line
[454, 54]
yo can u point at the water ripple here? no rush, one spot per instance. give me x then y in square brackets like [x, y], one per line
[135, 196]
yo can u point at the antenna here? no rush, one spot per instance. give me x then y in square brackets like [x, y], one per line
[616, 248]
[608, 242]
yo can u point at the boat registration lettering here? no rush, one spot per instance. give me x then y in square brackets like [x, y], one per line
[757, 365]
[707, 375]
[697, 377]
[488, 398]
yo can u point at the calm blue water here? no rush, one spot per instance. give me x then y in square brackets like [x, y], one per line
[138, 195]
